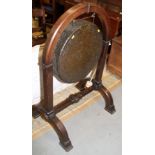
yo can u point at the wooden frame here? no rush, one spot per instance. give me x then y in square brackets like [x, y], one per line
[45, 108]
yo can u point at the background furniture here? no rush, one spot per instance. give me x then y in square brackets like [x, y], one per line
[50, 10]
[113, 8]
[39, 33]
[115, 57]
[70, 3]
[50, 7]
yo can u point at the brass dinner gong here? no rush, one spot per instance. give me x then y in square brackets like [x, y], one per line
[74, 47]
[77, 51]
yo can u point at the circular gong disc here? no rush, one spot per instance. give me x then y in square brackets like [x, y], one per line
[77, 51]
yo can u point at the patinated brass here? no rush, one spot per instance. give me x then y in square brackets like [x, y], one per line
[77, 51]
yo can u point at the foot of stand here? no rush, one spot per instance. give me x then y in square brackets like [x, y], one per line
[60, 130]
[109, 107]
[58, 126]
[67, 146]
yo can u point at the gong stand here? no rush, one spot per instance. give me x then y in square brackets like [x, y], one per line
[45, 108]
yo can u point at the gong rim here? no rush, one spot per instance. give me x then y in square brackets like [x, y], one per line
[77, 51]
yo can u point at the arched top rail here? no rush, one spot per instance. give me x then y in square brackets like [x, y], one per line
[66, 19]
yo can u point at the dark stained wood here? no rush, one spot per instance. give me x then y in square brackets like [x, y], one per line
[108, 100]
[46, 108]
[112, 2]
[101, 62]
[73, 98]
[61, 132]
[115, 57]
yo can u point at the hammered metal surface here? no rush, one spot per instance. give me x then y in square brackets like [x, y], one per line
[77, 51]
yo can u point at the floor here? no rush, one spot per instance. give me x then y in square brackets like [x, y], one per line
[93, 131]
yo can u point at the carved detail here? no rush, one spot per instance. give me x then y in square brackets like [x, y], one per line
[49, 115]
[75, 98]
[97, 84]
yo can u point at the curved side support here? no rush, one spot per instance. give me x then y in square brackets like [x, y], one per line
[108, 99]
[61, 132]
